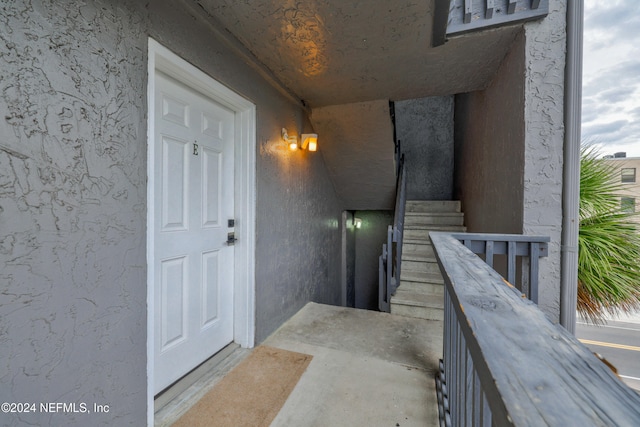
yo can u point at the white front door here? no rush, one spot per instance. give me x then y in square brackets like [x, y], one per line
[194, 201]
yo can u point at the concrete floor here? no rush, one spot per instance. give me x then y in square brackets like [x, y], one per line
[368, 369]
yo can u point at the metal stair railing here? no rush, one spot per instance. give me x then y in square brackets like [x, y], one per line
[391, 258]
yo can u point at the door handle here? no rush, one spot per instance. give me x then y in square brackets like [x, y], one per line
[231, 239]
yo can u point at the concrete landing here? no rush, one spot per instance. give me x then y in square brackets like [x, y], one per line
[368, 368]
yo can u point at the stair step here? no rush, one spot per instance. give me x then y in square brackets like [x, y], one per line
[422, 287]
[433, 227]
[421, 277]
[427, 313]
[412, 304]
[417, 252]
[427, 266]
[419, 233]
[417, 298]
[436, 218]
[432, 206]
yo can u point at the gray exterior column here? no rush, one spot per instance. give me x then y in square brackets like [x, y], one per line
[545, 43]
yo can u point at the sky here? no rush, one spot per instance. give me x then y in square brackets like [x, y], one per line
[611, 76]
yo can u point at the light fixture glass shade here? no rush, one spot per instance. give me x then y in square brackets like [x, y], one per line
[357, 222]
[309, 141]
[293, 142]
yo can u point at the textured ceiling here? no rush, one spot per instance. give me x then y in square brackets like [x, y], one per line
[331, 52]
[345, 59]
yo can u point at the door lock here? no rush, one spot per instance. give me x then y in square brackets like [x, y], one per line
[231, 239]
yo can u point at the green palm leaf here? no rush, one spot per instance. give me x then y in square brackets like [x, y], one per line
[608, 243]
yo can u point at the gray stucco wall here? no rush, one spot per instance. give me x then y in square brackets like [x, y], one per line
[368, 247]
[489, 138]
[509, 146]
[544, 142]
[73, 201]
[425, 129]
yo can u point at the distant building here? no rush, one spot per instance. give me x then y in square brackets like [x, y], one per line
[628, 174]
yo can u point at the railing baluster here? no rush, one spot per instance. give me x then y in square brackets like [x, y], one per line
[487, 419]
[488, 250]
[477, 399]
[534, 263]
[468, 396]
[390, 281]
[511, 262]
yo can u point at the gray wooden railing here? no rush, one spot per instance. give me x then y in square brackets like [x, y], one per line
[389, 262]
[505, 364]
[513, 246]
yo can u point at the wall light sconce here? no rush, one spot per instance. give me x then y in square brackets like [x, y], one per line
[292, 141]
[357, 222]
[309, 140]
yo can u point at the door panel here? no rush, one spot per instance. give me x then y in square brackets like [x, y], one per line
[174, 287]
[193, 181]
[211, 192]
[175, 181]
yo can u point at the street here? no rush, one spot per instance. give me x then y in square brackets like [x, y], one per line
[618, 342]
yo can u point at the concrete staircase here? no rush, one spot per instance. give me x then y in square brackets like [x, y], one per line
[421, 289]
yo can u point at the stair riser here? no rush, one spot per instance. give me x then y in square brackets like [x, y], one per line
[427, 219]
[420, 234]
[418, 312]
[421, 277]
[425, 288]
[432, 206]
[419, 267]
[417, 252]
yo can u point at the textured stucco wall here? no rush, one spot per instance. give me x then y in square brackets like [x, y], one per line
[425, 129]
[509, 146]
[368, 247]
[544, 141]
[357, 146]
[489, 135]
[73, 215]
[297, 211]
[73, 201]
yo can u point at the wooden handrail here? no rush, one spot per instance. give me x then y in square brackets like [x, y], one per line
[506, 363]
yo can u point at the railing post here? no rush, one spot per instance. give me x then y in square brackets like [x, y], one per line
[382, 287]
[390, 278]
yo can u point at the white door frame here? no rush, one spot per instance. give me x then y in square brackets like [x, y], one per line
[162, 59]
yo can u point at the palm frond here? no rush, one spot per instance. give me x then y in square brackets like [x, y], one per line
[608, 243]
